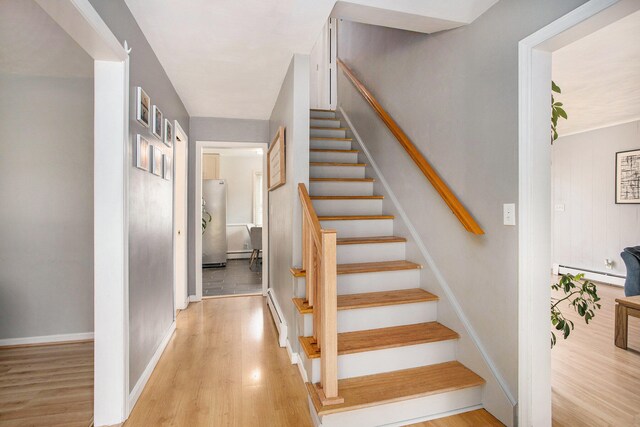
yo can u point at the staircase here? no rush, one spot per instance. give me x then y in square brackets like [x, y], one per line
[395, 363]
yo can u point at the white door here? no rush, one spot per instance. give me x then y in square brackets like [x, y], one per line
[180, 218]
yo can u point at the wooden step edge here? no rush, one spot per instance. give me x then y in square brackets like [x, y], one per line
[329, 138]
[365, 267]
[360, 343]
[332, 150]
[373, 299]
[360, 165]
[297, 272]
[325, 128]
[397, 386]
[355, 217]
[342, 179]
[347, 197]
[322, 109]
[370, 240]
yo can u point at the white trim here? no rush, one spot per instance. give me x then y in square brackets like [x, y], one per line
[146, 374]
[200, 147]
[181, 301]
[592, 275]
[301, 369]
[604, 126]
[194, 298]
[278, 319]
[432, 266]
[534, 229]
[47, 339]
[293, 356]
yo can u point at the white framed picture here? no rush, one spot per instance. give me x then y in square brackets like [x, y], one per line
[168, 167]
[157, 165]
[143, 107]
[142, 153]
[158, 122]
[628, 177]
[168, 133]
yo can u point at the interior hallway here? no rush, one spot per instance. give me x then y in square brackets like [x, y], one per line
[223, 367]
[595, 383]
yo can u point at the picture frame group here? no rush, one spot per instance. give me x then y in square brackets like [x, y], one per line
[149, 157]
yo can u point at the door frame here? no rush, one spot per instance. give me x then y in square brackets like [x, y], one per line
[534, 229]
[110, 200]
[200, 146]
[181, 301]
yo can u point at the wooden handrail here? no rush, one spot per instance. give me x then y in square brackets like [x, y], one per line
[319, 263]
[445, 192]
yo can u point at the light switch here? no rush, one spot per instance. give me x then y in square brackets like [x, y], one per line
[509, 213]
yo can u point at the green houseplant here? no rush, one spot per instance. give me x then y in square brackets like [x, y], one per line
[557, 111]
[581, 295]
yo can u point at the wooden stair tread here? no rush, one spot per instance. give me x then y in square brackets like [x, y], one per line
[331, 150]
[388, 387]
[379, 339]
[337, 164]
[332, 138]
[367, 267]
[347, 197]
[369, 240]
[342, 179]
[354, 217]
[325, 128]
[322, 109]
[479, 417]
[373, 299]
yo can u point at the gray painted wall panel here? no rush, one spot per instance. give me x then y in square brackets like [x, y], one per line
[455, 94]
[150, 198]
[592, 227]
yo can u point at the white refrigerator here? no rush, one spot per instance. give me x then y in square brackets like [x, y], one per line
[214, 238]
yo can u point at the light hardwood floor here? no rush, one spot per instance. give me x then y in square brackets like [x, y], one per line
[479, 418]
[223, 367]
[47, 385]
[595, 383]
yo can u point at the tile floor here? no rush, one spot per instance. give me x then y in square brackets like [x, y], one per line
[234, 279]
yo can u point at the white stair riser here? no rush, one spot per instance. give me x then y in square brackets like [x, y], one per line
[336, 171]
[374, 252]
[370, 282]
[405, 411]
[360, 227]
[328, 132]
[387, 360]
[333, 156]
[325, 123]
[323, 114]
[305, 325]
[361, 319]
[341, 188]
[329, 144]
[348, 207]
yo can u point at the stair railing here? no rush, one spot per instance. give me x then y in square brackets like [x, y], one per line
[429, 172]
[319, 263]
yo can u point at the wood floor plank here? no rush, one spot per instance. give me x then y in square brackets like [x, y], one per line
[378, 339]
[371, 390]
[477, 418]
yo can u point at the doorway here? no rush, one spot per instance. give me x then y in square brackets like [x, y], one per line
[535, 65]
[181, 144]
[231, 246]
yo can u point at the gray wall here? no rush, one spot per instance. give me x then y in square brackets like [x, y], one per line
[214, 129]
[151, 307]
[455, 94]
[592, 227]
[285, 216]
[46, 177]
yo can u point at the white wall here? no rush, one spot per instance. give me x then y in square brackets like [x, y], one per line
[592, 227]
[238, 172]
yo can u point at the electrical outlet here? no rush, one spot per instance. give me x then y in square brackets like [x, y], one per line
[509, 213]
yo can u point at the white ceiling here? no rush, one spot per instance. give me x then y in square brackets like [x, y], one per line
[228, 58]
[34, 44]
[600, 77]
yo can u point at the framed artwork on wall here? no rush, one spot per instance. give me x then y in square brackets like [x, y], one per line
[143, 107]
[157, 164]
[158, 122]
[168, 133]
[628, 177]
[168, 167]
[142, 153]
[276, 162]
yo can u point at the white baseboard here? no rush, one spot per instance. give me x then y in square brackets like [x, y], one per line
[194, 298]
[47, 339]
[592, 275]
[278, 318]
[142, 381]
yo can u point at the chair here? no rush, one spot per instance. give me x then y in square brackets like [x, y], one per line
[256, 244]
[631, 258]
